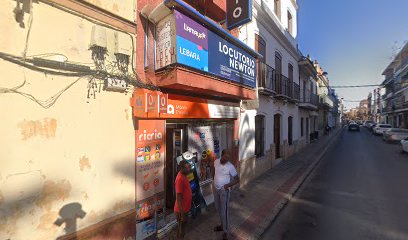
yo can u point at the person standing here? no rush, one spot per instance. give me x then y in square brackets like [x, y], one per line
[225, 177]
[183, 197]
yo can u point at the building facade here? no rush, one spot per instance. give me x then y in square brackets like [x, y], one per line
[325, 100]
[201, 72]
[275, 120]
[67, 135]
[395, 111]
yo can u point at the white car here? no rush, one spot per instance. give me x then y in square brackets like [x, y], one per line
[380, 128]
[404, 145]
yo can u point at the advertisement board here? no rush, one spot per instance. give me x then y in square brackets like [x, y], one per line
[199, 48]
[150, 146]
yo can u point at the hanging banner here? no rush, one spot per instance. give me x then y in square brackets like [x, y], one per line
[150, 146]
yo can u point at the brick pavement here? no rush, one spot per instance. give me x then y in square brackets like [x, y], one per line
[254, 206]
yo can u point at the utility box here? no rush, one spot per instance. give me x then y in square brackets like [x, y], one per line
[123, 44]
[98, 37]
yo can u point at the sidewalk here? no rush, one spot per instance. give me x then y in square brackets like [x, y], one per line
[253, 207]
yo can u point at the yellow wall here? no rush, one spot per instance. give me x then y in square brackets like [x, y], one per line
[123, 8]
[77, 151]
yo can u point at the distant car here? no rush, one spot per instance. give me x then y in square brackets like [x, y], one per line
[368, 124]
[353, 127]
[404, 145]
[380, 128]
[395, 134]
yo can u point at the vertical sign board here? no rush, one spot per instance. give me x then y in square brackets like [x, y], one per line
[239, 12]
[196, 45]
[165, 42]
[150, 145]
[162, 102]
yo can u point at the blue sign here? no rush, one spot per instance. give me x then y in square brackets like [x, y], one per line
[199, 48]
[191, 54]
[230, 62]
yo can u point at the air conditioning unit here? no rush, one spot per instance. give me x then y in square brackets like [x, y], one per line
[98, 37]
[117, 85]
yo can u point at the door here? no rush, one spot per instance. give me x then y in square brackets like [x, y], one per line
[278, 71]
[276, 133]
[307, 131]
[175, 146]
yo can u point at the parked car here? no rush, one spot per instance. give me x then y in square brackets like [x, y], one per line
[353, 127]
[395, 134]
[371, 128]
[380, 128]
[368, 124]
[404, 145]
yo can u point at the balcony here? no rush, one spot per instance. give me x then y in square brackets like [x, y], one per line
[271, 83]
[309, 100]
[266, 79]
[325, 101]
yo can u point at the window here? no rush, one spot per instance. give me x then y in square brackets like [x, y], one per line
[290, 23]
[277, 8]
[146, 43]
[290, 72]
[278, 72]
[260, 47]
[259, 135]
[301, 127]
[290, 83]
[290, 130]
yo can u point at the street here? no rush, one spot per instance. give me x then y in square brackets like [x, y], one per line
[358, 191]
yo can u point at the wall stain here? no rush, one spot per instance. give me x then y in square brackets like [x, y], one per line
[127, 114]
[47, 221]
[115, 8]
[85, 195]
[45, 128]
[1, 198]
[84, 163]
[51, 192]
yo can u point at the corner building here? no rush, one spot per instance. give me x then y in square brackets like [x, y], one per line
[200, 73]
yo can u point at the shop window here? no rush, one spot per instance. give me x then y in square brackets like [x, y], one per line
[259, 135]
[290, 130]
[301, 127]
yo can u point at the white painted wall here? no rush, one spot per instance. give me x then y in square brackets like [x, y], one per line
[267, 106]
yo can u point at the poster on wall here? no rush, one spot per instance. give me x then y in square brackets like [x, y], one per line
[150, 146]
[145, 218]
[205, 141]
[165, 42]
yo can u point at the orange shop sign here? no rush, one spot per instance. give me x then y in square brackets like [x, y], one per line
[177, 106]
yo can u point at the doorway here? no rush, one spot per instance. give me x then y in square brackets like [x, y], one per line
[176, 144]
[277, 134]
[307, 131]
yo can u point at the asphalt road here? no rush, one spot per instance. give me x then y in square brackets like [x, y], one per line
[358, 191]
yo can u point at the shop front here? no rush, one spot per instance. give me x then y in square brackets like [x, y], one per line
[167, 126]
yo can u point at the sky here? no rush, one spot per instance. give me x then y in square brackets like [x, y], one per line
[353, 40]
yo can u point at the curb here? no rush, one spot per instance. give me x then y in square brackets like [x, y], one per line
[280, 198]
